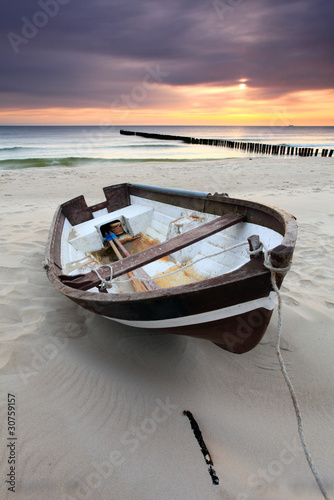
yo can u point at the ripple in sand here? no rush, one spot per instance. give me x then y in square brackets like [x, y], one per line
[154, 349]
[7, 290]
[67, 324]
[5, 355]
[11, 261]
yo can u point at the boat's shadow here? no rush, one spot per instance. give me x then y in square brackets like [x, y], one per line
[156, 351]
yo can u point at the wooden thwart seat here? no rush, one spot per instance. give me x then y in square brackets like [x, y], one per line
[156, 252]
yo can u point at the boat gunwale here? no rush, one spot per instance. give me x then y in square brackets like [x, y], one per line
[249, 270]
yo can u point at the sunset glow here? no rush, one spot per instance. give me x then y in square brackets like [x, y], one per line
[194, 105]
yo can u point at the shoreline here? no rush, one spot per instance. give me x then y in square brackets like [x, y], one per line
[237, 176]
[78, 162]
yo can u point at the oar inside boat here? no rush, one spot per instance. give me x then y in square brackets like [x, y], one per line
[137, 285]
[149, 283]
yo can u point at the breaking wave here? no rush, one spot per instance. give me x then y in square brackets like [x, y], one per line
[15, 164]
[14, 148]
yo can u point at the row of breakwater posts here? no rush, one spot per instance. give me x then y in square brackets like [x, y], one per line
[247, 147]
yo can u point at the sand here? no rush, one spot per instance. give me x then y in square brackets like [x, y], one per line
[99, 406]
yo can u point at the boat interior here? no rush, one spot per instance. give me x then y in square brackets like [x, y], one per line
[111, 236]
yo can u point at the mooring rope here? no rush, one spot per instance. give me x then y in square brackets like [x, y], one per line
[105, 284]
[273, 271]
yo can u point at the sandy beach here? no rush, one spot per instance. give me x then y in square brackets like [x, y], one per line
[99, 406]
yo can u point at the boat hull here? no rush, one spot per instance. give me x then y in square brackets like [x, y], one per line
[237, 334]
[233, 314]
[231, 310]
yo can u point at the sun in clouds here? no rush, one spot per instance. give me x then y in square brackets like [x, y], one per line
[242, 83]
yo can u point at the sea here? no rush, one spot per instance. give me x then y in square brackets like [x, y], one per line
[76, 146]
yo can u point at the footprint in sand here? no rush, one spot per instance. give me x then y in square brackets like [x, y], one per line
[290, 301]
[31, 315]
[306, 283]
[330, 305]
[7, 289]
[293, 274]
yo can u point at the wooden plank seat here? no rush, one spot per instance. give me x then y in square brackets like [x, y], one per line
[156, 252]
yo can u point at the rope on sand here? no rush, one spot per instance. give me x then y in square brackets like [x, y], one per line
[199, 437]
[273, 272]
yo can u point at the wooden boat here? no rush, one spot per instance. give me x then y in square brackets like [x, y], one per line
[179, 261]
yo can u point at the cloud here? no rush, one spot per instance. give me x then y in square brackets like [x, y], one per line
[80, 53]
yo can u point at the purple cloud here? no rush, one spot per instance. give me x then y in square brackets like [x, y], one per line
[82, 53]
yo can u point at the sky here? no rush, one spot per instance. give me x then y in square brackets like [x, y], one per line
[171, 62]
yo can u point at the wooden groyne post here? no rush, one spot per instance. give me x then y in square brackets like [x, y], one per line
[247, 147]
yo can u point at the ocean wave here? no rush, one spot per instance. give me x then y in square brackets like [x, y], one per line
[14, 164]
[14, 148]
[148, 146]
[70, 161]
